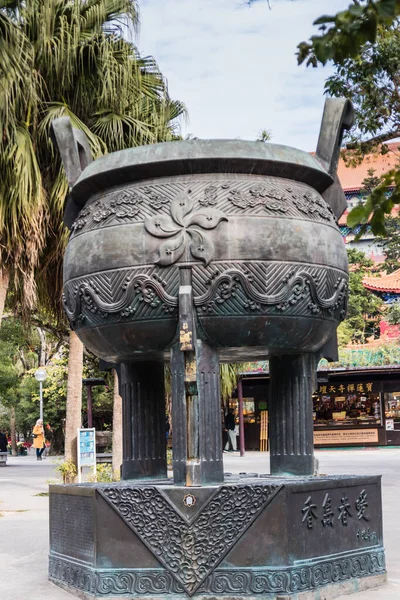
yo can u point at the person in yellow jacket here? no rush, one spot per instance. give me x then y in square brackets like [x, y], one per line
[38, 439]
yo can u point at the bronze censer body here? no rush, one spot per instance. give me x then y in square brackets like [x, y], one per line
[200, 252]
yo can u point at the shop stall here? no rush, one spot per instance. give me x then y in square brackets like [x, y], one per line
[353, 406]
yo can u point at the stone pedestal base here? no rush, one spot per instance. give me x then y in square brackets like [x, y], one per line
[264, 538]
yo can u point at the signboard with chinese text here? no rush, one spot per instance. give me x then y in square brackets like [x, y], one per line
[389, 424]
[348, 388]
[346, 436]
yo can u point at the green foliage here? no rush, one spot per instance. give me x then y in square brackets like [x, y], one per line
[383, 355]
[345, 333]
[393, 314]
[391, 244]
[378, 206]
[363, 41]
[229, 373]
[54, 400]
[104, 474]
[20, 390]
[264, 136]
[67, 470]
[371, 82]
[71, 59]
[16, 355]
[363, 306]
[342, 35]
[373, 191]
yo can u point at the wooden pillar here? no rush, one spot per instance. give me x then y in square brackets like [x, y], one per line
[89, 406]
[241, 420]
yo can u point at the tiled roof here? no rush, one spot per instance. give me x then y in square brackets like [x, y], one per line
[351, 178]
[384, 283]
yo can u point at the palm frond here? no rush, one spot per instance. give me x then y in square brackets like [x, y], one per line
[66, 57]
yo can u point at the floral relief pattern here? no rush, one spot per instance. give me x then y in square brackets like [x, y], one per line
[184, 230]
[154, 200]
[279, 201]
[310, 203]
[259, 195]
[120, 205]
[123, 205]
[210, 196]
[190, 551]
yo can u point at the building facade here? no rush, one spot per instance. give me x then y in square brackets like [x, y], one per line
[353, 406]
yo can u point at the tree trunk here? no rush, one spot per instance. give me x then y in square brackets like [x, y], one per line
[13, 435]
[4, 281]
[56, 442]
[74, 396]
[117, 428]
[42, 354]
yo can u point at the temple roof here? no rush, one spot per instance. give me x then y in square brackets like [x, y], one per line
[385, 283]
[351, 178]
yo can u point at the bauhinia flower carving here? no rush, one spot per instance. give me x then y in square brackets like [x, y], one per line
[185, 230]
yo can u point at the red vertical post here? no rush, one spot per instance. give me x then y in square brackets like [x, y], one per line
[89, 407]
[241, 421]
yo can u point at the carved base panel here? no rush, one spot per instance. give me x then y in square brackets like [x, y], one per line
[263, 538]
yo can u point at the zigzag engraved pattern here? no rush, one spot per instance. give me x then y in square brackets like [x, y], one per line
[293, 289]
[136, 202]
[219, 289]
[139, 294]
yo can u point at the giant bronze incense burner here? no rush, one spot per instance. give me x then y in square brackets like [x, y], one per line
[198, 252]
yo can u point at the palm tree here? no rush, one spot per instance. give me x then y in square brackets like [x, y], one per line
[229, 375]
[65, 58]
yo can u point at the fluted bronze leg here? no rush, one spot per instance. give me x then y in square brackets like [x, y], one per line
[292, 383]
[144, 443]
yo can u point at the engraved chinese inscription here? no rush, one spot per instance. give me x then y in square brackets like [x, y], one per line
[328, 514]
[309, 513]
[362, 505]
[330, 511]
[344, 511]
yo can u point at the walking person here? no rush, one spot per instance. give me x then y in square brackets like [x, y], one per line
[38, 439]
[230, 428]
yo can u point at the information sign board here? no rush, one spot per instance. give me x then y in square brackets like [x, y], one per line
[346, 436]
[86, 439]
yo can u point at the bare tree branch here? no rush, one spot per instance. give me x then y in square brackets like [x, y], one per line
[378, 139]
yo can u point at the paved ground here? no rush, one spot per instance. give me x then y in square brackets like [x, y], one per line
[24, 525]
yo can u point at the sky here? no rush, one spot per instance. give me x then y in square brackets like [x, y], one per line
[235, 67]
